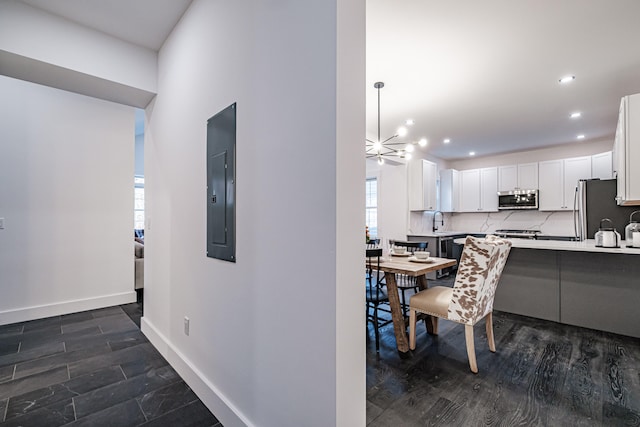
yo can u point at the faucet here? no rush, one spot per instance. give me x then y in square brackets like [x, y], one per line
[435, 214]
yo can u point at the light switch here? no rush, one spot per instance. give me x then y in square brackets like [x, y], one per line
[1, 223]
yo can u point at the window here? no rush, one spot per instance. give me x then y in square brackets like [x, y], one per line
[138, 203]
[372, 207]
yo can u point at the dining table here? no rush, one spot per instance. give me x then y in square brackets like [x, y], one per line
[394, 264]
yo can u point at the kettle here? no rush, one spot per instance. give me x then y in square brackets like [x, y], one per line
[633, 227]
[607, 237]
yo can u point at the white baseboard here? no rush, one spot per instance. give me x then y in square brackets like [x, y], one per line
[217, 403]
[64, 307]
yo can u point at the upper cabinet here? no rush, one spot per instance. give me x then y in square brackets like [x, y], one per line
[528, 176]
[479, 190]
[602, 166]
[523, 176]
[626, 149]
[558, 180]
[422, 185]
[449, 190]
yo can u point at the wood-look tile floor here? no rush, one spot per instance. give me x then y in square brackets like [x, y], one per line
[543, 374]
[93, 368]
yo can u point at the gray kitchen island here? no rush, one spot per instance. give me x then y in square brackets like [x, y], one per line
[575, 283]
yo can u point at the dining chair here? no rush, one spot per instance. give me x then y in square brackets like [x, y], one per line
[376, 294]
[373, 243]
[404, 282]
[471, 298]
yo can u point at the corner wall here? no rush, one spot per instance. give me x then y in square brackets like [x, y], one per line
[66, 193]
[277, 338]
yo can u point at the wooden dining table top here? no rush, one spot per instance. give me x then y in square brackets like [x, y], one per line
[402, 265]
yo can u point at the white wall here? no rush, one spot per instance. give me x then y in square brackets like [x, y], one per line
[565, 151]
[66, 194]
[265, 346]
[43, 48]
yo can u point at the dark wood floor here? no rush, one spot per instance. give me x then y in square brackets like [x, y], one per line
[543, 374]
[93, 368]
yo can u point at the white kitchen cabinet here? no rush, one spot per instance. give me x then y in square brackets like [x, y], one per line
[602, 166]
[522, 176]
[558, 180]
[449, 190]
[627, 151]
[479, 190]
[528, 176]
[507, 177]
[422, 185]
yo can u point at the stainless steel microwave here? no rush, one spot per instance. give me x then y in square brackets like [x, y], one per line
[518, 199]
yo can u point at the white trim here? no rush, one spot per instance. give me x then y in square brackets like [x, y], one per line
[228, 414]
[65, 307]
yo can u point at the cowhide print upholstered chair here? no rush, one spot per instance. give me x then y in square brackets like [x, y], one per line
[471, 298]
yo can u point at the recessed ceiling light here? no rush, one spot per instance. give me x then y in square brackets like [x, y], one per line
[581, 136]
[472, 153]
[409, 122]
[423, 142]
[567, 79]
[446, 140]
[576, 115]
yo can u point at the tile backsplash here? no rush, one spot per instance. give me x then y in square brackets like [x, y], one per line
[551, 223]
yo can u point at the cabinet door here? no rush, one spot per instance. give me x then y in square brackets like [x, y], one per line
[550, 184]
[449, 190]
[619, 147]
[528, 176]
[489, 189]
[422, 185]
[575, 169]
[429, 176]
[470, 190]
[507, 178]
[601, 165]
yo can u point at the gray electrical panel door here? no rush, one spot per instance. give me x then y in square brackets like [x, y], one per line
[221, 177]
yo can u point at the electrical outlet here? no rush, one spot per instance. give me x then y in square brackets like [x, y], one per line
[186, 325]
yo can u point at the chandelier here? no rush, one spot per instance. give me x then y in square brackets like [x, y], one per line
[390, 147]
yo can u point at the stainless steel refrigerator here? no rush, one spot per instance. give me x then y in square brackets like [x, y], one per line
[595, 200]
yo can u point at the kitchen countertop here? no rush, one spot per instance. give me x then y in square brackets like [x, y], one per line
[588, 245]
[442, 234]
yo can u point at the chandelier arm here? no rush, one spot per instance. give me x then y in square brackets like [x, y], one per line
[398, 143]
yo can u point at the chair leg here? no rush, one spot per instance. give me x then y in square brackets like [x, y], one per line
[489, 326]
[434, 325]
[412, 329]
[404, 303]
[375, 326]
[471, 351]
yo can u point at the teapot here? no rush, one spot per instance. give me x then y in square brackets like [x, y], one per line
[632, 227]
[607, 236]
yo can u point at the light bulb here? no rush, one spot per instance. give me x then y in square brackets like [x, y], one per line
[409, 148]
[409, 122]
[402, 131]
[377, 146]
[567, 79]
[408, 156]
[380, 161]
[472, 153]
[447, 140]
[423, 142]
[580, 136]
[576, 115]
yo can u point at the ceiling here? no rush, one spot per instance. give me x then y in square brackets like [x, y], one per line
[484, 74]
[146, 23]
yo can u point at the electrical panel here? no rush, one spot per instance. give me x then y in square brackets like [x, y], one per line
[221, 188]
